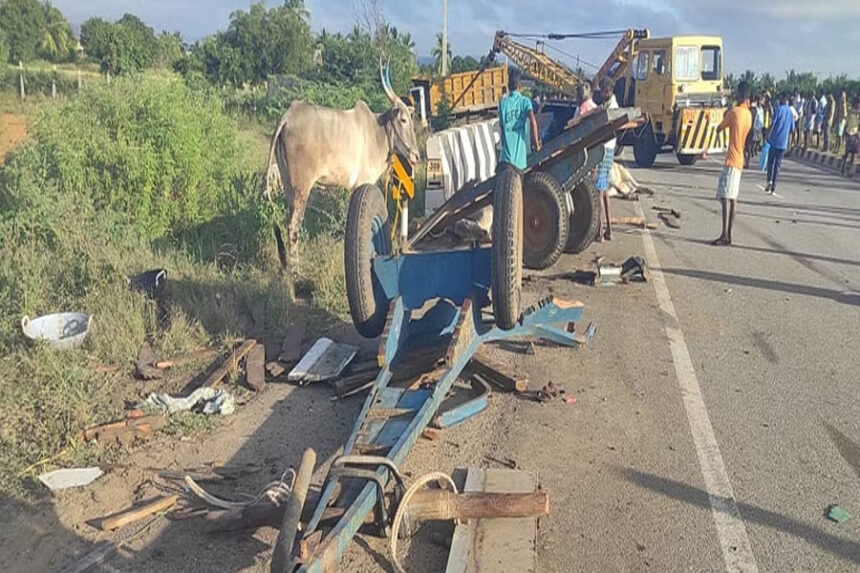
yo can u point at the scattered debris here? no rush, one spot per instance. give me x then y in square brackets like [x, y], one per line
[232, 363]
[549, 392]
[431, 434]
[135, 514]
[144, 368]
[291, 348]
[275, 369]
[208, 400]
[496, 373]
[507, 462]
[325, 360]
[102, 552]
[196, 356]
[633, 269]
[623, 183]
[530, 348]
[124, 431]
[634, 221]
[151, 283]
[255, 370]
[570, 399]
[837, 513]
[70, 477]
[669, 216]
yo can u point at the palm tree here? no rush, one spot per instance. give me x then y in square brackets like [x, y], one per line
[437, 54]
[56, 40]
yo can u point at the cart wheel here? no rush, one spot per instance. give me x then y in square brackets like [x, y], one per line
[687, 158]
[645, 148]
[544, 221]
[507, 248]
[584, 224]
[368, 233]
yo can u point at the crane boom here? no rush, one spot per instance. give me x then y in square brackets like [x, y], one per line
[537, 64]
[619, 60]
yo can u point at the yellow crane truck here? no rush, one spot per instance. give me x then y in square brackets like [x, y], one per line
[676, 82]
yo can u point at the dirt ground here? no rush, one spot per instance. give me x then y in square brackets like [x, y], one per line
[13, 129]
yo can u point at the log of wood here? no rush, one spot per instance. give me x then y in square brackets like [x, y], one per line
[232, 363]
[291, 347]
[442, 505]
[497, 373]
[137, 513]
[124, 431]
[255, 368]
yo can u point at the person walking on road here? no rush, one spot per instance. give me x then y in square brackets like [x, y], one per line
[780, 133]
[605, 168]
[516, 117]
[738, 121]
[841, 118]
[852, 133]
[819, 119]
[810, 113]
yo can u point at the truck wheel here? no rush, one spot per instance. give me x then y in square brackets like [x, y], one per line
[507, 248]
[368, 234]
[687, 158]
[544, 221]
[645, 148]
[584, 224]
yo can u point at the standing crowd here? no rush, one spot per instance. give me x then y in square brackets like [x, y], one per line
[826, 121]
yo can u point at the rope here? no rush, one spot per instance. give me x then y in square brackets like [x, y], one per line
[404, 504]
[276, 491]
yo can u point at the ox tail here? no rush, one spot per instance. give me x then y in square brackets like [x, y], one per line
[280, 160]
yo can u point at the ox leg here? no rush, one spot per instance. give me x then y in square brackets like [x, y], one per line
[294, 227]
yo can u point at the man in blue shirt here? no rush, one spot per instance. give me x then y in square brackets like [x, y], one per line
[515, 114]
[780, 132]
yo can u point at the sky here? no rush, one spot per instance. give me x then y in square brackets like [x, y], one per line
[763, 35]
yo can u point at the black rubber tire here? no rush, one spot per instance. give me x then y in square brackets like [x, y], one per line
[687, 158]
[507, 248]
[368, 233]
[545, 221]
[645, 148]
[584, 222]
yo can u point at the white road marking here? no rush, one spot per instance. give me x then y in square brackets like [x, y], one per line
[760, 187]
[734, 541]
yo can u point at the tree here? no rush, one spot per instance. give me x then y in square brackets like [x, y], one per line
[95, 35]
[170, 50]
[437, 54]
[23, 21]
[461, 64]
[127, 45]
[57, 42]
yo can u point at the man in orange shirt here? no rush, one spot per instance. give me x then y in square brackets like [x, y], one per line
[738, 122]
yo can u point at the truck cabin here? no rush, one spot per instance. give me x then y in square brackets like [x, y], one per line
[687, 70]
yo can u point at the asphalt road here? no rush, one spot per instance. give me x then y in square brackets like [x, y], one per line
[716, 438]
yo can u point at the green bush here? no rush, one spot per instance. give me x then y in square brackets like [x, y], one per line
[148, 149]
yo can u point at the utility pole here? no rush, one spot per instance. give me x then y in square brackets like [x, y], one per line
[444, 37]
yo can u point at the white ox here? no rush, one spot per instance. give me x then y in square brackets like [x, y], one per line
[335, 148]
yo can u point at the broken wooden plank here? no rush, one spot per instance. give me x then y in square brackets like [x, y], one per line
[443, 505]
[432, 434]
[255, 368]
[325, 360]
[196, 356]
[137, 513]
[232, 363]
[497, 373]
[498, 545]
[124, 431]
[291, 348]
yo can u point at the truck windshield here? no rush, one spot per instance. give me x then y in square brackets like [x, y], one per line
[686, 63]
[710, 63]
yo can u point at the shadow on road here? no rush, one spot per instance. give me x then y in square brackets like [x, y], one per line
[848, 449]
[767, 284]
[844, 548]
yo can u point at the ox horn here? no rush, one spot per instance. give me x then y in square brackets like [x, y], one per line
[385, 76]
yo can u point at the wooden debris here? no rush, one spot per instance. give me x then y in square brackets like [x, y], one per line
[275, 368]
[496, 373]
[102, 552]
[196, 356]
[124, 431]
[432, 434]
[478, 543]
[443, 505]
[136, 514]
[255, 371]
[291, 348]
[308, 545]
[232, 363]
[345, 386]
